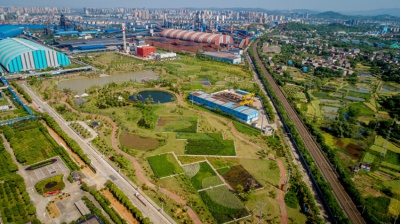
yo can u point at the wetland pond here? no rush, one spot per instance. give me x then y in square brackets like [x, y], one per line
[156, 96]
[80, 85]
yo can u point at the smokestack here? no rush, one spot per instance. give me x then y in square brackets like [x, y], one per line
[123, 36]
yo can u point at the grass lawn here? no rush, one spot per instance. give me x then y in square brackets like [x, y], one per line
[222, 162]
[202, 175]
[265, 171]
[50, 184]
[246, 129]
[164, 165]
[223, 204]
[176, 124]
[213, 144]
[190, 159]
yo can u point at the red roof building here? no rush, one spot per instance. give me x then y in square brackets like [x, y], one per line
[145, 51]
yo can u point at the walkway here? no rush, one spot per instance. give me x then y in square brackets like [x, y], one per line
[139, 173]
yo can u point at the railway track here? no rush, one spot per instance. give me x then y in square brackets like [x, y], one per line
[320, 159]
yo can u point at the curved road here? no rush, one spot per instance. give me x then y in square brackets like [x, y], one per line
[321, 161]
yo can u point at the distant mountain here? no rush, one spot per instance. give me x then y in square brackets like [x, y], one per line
[339, 16]
[376, 12]
[331, 15]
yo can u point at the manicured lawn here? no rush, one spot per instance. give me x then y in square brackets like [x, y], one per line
[190, 159]
[164, 165]
[214, 146]
[243, 128]
[50, 184]
[176, 124]
[202, 175]
[223, 204]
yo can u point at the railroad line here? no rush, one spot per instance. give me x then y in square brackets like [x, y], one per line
[319, 157]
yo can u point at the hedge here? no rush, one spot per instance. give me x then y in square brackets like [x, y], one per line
[94, 210]
[105, 204]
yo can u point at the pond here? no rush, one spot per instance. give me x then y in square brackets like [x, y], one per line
[155, 96]
[82, 84]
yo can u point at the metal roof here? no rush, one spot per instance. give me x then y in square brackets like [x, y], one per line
[13, 47]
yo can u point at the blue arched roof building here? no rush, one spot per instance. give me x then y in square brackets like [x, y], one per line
[18, 54]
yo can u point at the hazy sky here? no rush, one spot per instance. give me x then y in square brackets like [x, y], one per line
[322, 5]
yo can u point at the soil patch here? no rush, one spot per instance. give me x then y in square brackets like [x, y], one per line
[122, 211]
[354, 150]
[238, 176]
[53, 210]
[134, 141]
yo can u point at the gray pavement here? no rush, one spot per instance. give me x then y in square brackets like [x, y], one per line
[104, 169]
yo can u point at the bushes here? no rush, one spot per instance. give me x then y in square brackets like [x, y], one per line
[121, 197]
[21, 91]
[70, 142]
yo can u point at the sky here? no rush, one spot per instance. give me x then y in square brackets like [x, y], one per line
[320, 5]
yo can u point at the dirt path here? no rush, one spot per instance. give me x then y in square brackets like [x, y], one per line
[87, 171]
[139, 173]
[120, 208]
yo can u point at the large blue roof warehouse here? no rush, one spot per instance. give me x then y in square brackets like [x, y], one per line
[18, 54]
[243, 113]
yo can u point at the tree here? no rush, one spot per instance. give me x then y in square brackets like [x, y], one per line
[394, 209]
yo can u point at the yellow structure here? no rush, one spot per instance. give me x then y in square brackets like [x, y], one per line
[247, 99]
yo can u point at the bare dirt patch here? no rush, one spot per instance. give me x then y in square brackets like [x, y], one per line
[122, 211]
[133, 141]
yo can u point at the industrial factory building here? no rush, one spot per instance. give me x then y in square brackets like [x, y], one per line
[228, 102]
[224, 56]
[199, 37]
[145, 51]
[18, 54]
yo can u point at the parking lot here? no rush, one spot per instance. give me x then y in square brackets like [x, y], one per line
[39, 174]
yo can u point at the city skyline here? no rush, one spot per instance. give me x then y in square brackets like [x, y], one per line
[338, 5]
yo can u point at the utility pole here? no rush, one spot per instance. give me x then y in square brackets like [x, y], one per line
[260, 207]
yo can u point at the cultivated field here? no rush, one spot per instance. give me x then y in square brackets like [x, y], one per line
[164, 165]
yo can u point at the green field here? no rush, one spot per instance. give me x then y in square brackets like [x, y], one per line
[202, 175]
[369, 158]
[246, 129]
[30, 145]
[223, 204]
[164, 165]
[380, 142]
[208, 144]
[50, 184]
[176, 124]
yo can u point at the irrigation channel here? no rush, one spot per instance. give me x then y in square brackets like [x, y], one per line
[320, 159]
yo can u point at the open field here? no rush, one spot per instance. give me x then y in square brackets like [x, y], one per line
[190, 159]
[202, 175]
[176, 124]
[30, 145]
[380, 142]
[209, 144]
[50, 184]
[223, 204]
[238, 176]
[134, 141]
[164, 165]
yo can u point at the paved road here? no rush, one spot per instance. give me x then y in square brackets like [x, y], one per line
[318, 156]
[103, 168]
